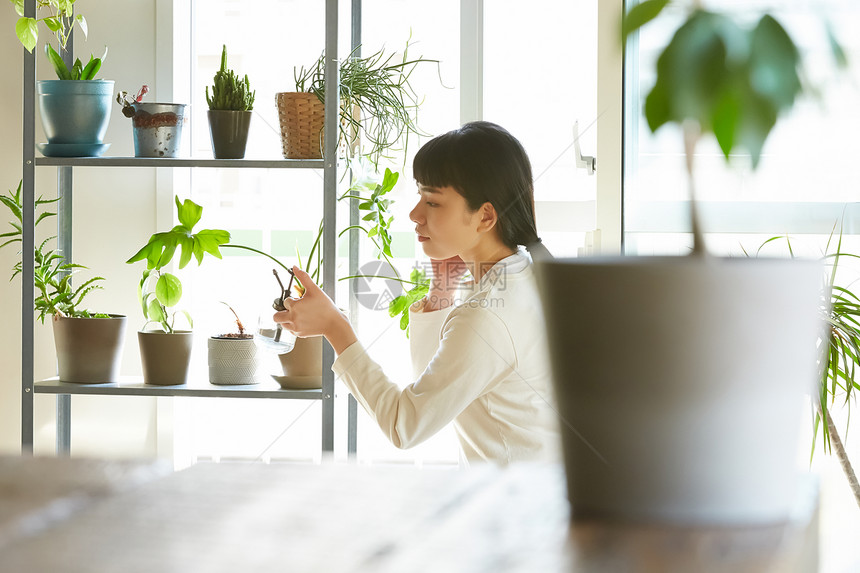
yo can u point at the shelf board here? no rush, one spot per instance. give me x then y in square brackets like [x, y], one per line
[180, 162]
[134, 386]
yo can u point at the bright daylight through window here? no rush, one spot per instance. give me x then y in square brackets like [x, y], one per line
[279, 211]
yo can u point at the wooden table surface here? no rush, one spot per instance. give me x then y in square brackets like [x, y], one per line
[74, 515]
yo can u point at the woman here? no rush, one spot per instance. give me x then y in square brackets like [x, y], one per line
[480, 363]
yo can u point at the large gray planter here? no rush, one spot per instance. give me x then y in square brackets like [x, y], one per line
[165, 357]
[89, 350]
[75, 112]
[232, 361]
[680, 384]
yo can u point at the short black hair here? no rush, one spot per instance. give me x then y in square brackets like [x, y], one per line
[484, 163]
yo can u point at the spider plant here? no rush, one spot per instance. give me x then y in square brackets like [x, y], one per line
[840, 359]
[378, 103]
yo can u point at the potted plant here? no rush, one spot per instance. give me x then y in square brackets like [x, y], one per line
[159, 291]
[89, 345]
[75, 108]
[840, 311]
[378, 104]
[229, 112]
[166, 353]
[682, 376]
[156, 127]
[233, 356]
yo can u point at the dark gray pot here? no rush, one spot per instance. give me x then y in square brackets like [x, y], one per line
[75, 111]
[89, 350]
[229, 132]
[165, 356]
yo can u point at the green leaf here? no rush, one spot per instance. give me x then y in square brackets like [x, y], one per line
[19, 6]
[641, 14]
[155, 312]
[210, 239]
[836, 49]
[657, 108]
[727, 115]
[27, 32]
[189, 213]
[773, 63]
[187, 244]
[82, 22]
[169, 244]
[57, 62]
[92, 68]
[168, 289]
[187, 317]
[53, 24]
[389, 180]
[77, 69]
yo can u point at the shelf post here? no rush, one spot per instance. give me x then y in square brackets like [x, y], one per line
[28, 247]
[352, 404]
[65, 190]
[332, 107]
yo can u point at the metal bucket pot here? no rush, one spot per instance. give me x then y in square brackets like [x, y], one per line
[158, 128]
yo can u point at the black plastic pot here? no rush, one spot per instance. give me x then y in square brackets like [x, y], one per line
[229, 132]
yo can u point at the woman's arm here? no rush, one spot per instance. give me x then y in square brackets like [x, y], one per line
[475, 354]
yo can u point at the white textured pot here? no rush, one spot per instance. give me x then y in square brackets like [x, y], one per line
[232, 361]
[683, 380]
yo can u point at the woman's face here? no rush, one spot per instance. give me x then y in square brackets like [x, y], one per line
[444, 223]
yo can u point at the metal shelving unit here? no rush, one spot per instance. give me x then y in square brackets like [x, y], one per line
[134, 386]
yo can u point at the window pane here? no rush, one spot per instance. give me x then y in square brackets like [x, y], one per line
[540, 77]
[804, 178]
[279, 211]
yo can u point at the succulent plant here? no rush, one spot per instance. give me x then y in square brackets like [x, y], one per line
[228, 91]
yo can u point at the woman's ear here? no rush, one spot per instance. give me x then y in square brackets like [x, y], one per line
[489, 217]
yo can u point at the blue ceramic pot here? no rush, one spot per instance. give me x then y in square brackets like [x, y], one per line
[75, 111]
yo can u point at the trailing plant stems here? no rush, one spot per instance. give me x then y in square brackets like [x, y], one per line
[253, 250]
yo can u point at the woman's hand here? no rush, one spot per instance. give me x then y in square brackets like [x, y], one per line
[447, 277]
[314, 314]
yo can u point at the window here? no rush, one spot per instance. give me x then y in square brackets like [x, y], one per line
[804, 179]
[279, 210]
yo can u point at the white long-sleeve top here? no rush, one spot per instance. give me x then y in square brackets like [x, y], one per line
[482, 364]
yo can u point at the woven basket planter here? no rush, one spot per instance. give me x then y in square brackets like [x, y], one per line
[302, 117]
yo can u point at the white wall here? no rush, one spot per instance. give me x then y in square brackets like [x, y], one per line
[114, 214]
